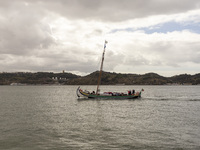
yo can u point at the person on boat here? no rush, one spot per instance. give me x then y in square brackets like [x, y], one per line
[129, 92]
[133, 92]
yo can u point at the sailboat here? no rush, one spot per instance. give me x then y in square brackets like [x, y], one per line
[106, 95]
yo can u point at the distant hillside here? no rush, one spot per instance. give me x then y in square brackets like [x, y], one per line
[91, 79]
[135, 79]
[35, 78]
[186, 79]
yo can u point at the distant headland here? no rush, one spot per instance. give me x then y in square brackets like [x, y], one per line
[108, 78]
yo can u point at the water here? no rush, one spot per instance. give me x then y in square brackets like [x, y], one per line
[51, 117]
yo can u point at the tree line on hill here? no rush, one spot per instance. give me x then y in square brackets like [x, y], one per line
[50, 78]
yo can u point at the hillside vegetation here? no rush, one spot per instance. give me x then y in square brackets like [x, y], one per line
[36, 78]
[108, 78]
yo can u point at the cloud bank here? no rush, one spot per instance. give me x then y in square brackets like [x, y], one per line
[143, 36]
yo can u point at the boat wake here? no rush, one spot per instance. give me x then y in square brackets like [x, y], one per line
[171, 99]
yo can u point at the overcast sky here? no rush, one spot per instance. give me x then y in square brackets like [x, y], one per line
[161, 36]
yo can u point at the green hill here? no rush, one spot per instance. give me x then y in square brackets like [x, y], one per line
[108, 78]
[35, 78]
[134, 79]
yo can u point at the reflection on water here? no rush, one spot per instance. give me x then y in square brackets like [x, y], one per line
[51, 117]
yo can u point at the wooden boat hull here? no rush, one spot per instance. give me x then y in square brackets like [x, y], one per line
[95, 96]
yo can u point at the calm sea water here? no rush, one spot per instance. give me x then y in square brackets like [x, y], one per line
[51, 117]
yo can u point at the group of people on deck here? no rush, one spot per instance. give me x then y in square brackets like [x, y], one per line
[131, 93]
[116, 93]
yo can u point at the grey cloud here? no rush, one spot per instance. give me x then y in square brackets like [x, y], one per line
[107, 10]
[160, 53]
[26, 42]
[118, 10]
[22, 29]
[177, 51]
[53, 63]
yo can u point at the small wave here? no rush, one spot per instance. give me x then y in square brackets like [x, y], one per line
[158, 99]
[171, 99]
[194, 100]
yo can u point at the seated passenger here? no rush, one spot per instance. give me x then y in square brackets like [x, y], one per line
[129, 92]
[133, 92]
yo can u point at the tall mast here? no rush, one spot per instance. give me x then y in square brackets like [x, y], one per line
[101, 68]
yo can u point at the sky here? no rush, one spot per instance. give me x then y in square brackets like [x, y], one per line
[160, 36]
